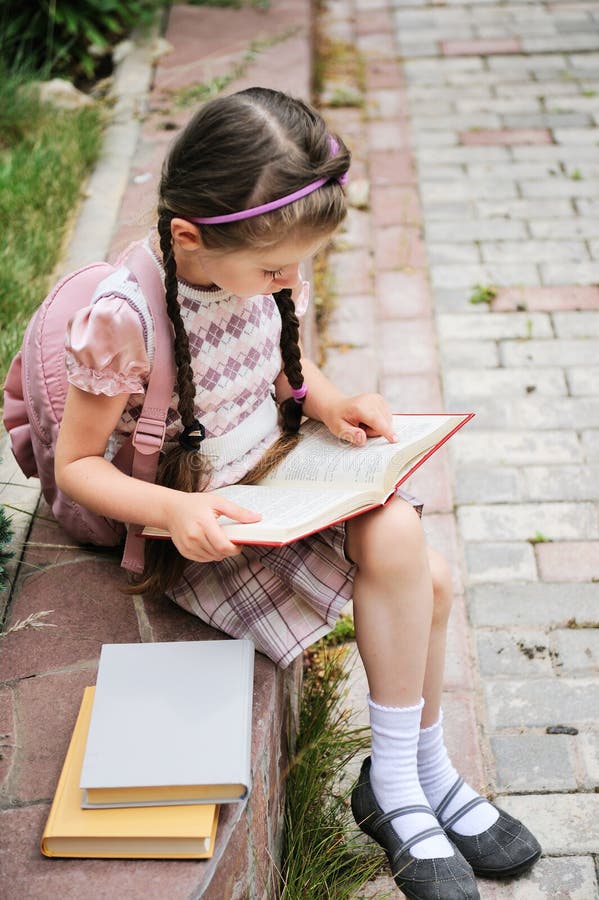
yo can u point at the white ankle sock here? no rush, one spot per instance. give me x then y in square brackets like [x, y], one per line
[437, 776]
[394, 775]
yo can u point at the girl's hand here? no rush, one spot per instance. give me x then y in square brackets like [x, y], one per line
[194, 529]
[354, 419]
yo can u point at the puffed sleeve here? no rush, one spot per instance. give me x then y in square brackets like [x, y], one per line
[105, 349]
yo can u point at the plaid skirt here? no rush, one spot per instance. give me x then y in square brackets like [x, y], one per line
[281, 598]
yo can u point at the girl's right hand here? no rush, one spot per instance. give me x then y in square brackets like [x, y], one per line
[194, 529]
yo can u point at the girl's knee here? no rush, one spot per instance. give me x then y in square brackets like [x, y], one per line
[442, 586]
[389, 537]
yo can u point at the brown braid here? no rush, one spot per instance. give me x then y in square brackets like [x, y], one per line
[180, 468]
[291, 411]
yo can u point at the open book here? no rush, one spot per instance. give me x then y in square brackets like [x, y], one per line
[325, 480]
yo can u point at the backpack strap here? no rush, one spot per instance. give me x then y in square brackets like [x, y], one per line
[150, 429]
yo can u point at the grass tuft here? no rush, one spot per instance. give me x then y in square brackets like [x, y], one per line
[325, 857]
[45, 154]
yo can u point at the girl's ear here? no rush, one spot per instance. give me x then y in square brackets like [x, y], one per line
[186, 235]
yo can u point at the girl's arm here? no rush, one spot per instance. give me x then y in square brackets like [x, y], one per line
[89, 479]
[351, 418]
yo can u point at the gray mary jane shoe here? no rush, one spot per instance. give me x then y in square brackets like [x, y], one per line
[449, 878]
[505, 849]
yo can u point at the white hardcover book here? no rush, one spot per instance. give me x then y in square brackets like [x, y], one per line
[171, 724]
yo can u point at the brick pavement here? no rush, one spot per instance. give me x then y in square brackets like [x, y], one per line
[479, 137]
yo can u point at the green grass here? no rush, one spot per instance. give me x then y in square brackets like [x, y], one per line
[325, 857]
[45, 154]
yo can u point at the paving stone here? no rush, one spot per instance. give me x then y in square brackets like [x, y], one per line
[582, 380]
[490, 484]
[590, 443]
[505, 382]
[350, 272]
[500, 561]
[476, 230]
[565, 228]
[522, 653]
[352, 321]
[497, 274]
[386, 135]
[452, 253]
[554, 878]
[568, 561]
[561, 822]
[527, 413]
[555, 521]
[8, 736]
[403, 294]
[566, 297]
[540, 702]
[561, 482]
[533, 604]
[477, 354]
[524, 208]
[408, 346]
[87, 609]
[506, 136]
[431, 483]
[577, 649]
[356, 368]
[515, 447]
[533, 251]
[392, 167]
[465, 189]
[46, 709]
[355, 231]
[494, 326]
[588, 746]
[399, 247]
[543, 353]
[529, 762]
[470, 154]
[576, 325]
[399, 205]
[412, 393]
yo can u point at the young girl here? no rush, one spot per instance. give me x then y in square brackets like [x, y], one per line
[253, 186]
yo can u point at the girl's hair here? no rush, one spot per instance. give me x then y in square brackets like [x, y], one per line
[238, 152]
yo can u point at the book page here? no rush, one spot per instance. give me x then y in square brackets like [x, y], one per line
[282, 505]
[321, 458]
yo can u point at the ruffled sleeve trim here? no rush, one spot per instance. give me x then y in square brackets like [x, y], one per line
[105, 349]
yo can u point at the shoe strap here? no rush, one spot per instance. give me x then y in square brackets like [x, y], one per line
[402, 811]
[421, 836]
[449, 797]
[476, 801]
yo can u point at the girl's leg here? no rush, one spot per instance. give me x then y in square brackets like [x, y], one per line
[436, 773]
[393, 612]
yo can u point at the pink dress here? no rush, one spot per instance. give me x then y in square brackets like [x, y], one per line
[282, 598]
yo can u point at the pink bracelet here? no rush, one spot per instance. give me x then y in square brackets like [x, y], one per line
[299, 393]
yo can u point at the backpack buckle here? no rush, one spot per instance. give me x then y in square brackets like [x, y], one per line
[149, 435]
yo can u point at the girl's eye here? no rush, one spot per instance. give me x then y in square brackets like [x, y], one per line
[273, 274]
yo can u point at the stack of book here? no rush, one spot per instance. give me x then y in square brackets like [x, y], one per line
[160, 742]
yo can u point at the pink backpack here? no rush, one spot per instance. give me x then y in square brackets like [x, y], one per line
[35, 393]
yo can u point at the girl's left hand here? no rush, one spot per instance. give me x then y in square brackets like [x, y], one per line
[354, 419]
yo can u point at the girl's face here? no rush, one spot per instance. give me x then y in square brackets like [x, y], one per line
[245, 272]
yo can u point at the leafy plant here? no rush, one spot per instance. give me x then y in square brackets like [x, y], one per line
[483, 293]
[6, 535]
[54, 37]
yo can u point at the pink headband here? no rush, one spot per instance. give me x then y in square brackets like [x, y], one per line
[274, 204]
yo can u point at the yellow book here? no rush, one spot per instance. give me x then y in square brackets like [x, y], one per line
[151, 832]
